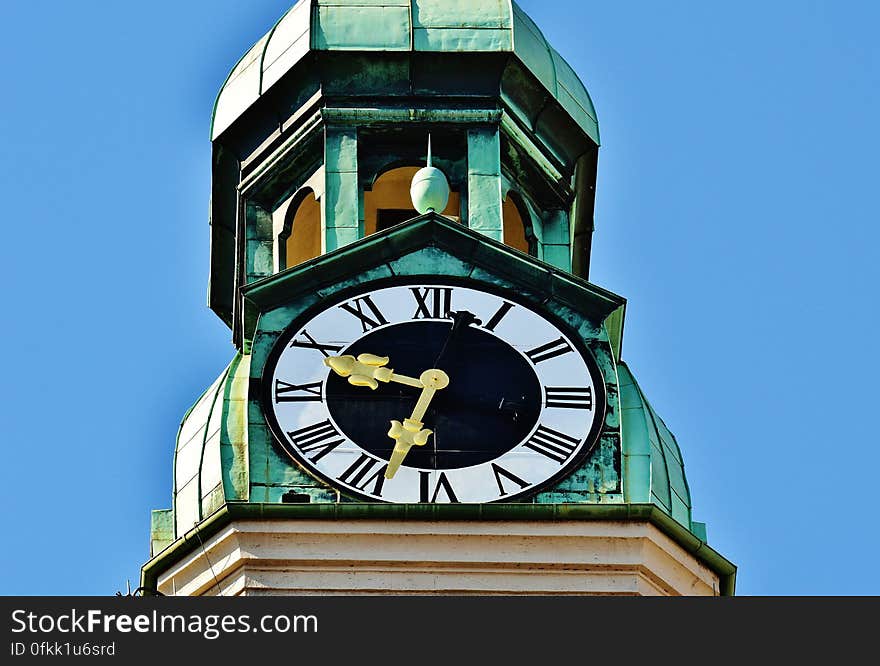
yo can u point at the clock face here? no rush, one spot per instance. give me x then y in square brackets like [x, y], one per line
[433, 392]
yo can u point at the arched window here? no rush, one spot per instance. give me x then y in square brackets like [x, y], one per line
[389, 203]
[517, 225]
[301, 238]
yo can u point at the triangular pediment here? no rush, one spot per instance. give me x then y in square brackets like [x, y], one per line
[428, 245]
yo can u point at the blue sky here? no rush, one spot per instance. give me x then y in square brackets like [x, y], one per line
[736, 211]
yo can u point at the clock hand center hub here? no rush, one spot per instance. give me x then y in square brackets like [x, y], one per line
[435, 379]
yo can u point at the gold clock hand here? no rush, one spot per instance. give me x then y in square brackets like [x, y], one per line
[411, 432]
[403, 379]
[433, 381]
[368, 370]
[405, 435]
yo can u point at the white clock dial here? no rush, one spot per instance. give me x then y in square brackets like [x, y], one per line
[522, 403]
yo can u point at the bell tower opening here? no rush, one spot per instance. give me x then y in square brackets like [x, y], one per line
[301, 238]
[389, 203]
[390, 156]
[518, 232]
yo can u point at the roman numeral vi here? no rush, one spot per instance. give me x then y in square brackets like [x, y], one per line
[442, 483]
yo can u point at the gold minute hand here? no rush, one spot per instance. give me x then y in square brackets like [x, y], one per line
[411, 432]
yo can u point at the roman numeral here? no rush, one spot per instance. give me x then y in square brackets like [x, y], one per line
[284, 392]
[569, 398]
[500, 471]
[442, 482]
[498, 316]
[553, 444]
[320, 439]
[358, 475]
[368, 320]
[310, 343]
[548, 351]
[432, 302]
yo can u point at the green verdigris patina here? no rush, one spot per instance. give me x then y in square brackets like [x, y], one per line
[225, 451]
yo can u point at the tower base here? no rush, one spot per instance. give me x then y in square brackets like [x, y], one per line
[362, 556]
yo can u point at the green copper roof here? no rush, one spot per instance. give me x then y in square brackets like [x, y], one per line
[210, 458]
[219, 459]
[455, 26]
[653, 470]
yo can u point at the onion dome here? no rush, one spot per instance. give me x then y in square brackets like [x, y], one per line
[210, 459]
[653, 468]
[405, 26]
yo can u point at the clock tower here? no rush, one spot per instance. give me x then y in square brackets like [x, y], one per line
[428, 394]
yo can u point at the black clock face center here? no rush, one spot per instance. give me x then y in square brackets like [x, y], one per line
[492, 403]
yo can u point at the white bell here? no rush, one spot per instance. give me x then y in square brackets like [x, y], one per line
[429, 189]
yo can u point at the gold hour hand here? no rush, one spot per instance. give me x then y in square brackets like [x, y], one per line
[411, 432]
[368, 370]
[405, 435]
